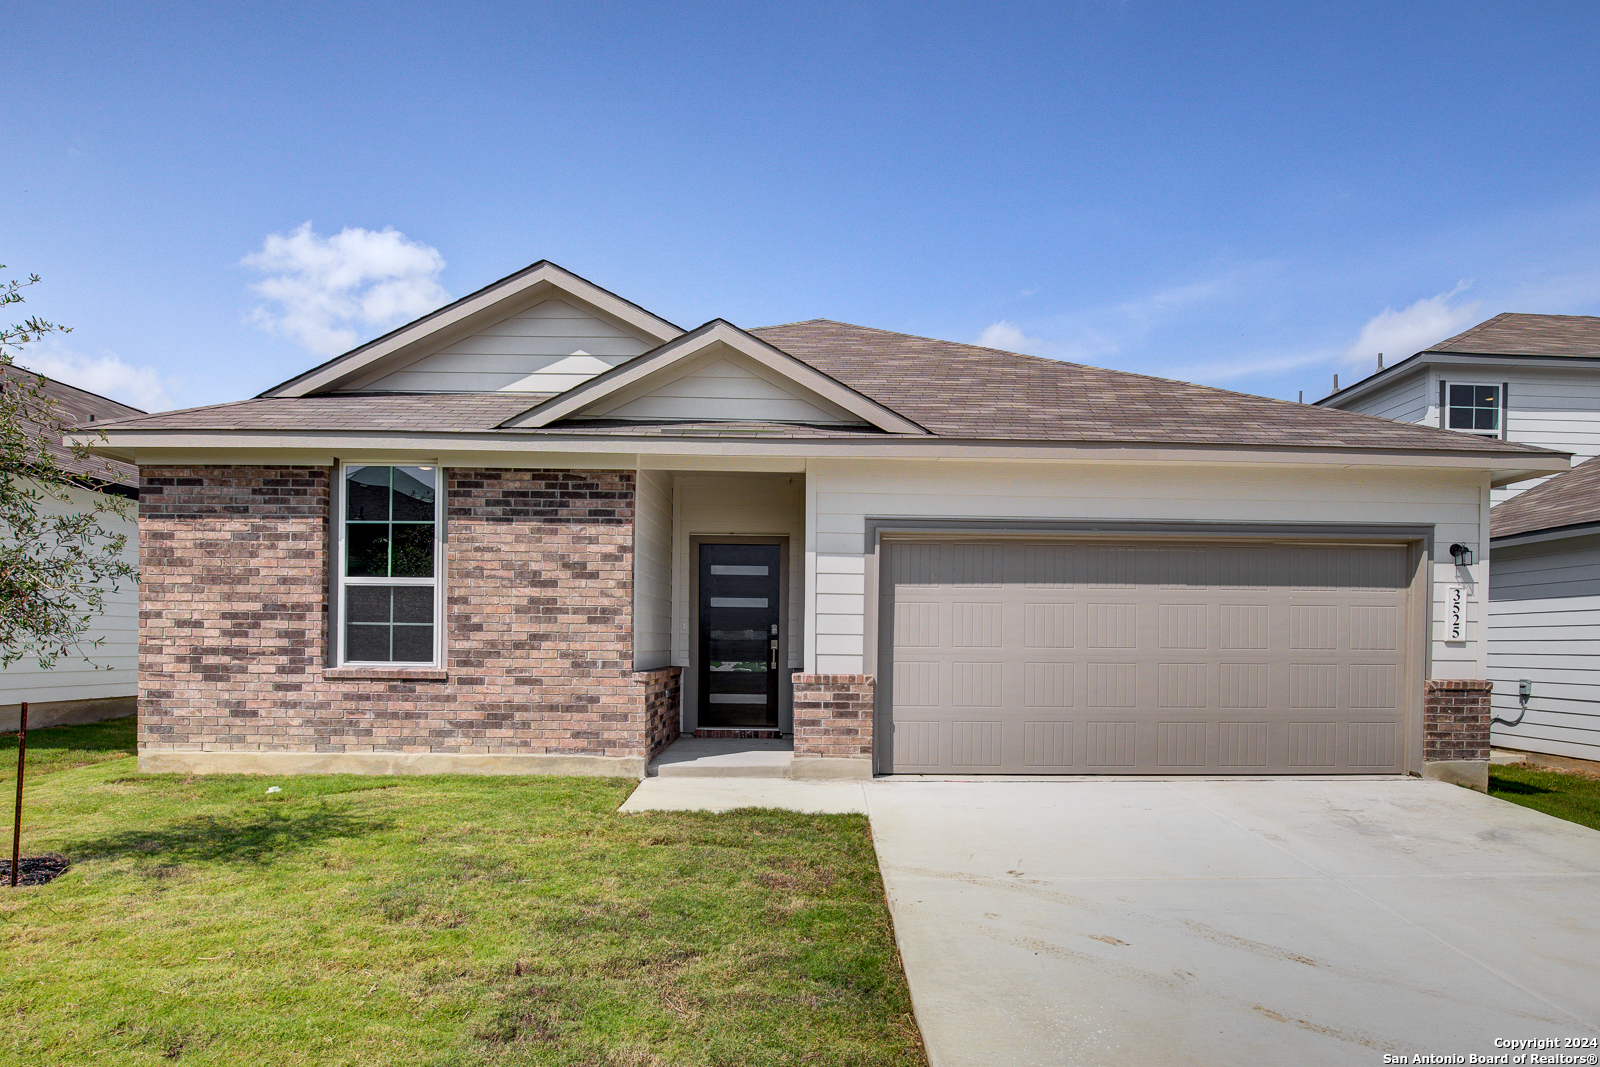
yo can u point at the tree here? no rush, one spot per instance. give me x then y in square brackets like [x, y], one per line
[56, 564]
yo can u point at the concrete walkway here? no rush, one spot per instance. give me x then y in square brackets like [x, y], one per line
[714, 757]
[1285, 922]
[693, 793]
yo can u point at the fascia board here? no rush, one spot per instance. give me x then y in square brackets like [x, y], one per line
[1373, 381]
[1464, 359]
[1506, 467]
[716, 331]
[1557, 533]
[476, 306]
[1424, 360]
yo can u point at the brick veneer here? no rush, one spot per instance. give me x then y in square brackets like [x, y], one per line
[663, 688]
[833, 715]
[1455, 719]
[233, 620]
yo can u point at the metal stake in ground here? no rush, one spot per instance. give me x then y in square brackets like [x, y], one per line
[16, 825]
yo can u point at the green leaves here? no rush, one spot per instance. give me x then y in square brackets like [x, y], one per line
[59, 558]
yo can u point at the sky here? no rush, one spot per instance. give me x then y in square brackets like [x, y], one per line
[1255, 196]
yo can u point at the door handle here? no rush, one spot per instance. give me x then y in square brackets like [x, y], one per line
[774, 664]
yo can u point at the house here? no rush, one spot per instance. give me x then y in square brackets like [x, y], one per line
[1534, 379]
[1544, 617]
[74, 691]
[545, 530]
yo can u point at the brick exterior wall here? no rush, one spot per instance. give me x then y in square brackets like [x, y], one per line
[538, 616]
[833, 715]
[1455, 720]
[663, 688]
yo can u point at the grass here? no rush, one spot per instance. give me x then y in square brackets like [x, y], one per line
[441, 921]
[61, 748]
[1574, 797]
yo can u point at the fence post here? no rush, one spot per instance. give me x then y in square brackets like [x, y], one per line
[16, 825]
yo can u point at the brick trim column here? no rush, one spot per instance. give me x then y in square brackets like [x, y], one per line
[1455, 731]
[833, 725]
[663, 688]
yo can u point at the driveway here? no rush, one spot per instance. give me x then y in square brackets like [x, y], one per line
[1284, 922]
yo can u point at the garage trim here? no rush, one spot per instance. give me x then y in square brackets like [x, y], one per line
[1417, 538]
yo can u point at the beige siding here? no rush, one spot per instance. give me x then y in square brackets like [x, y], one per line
[520, 354]
[722, 387]
[707, 505]
[1549, 407]
[71, 678]
[1544, 625]
[652, 571]
[843, 495]
[1404, 400]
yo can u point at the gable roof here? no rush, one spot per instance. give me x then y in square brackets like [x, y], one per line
[1569, 499]
[1515, 334]
[718, 333]
[940, 388]
[475, 310]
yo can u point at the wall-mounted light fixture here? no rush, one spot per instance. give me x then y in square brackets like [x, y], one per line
[1462, 554]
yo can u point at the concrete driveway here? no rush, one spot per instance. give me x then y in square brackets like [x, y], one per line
[1284, 922]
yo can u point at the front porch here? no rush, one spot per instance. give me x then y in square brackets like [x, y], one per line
[720, 592]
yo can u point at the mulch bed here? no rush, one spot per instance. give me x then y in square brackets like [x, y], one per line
[36, 870]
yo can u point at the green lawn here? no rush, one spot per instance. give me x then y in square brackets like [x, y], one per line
[1574, 797]
[447, 920]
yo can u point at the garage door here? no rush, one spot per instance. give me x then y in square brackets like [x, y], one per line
[1149, 658]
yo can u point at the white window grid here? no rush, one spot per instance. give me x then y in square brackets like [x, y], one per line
[342, 582]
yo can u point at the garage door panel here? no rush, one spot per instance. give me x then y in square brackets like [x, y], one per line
[1048, 744]
[1082, 657]
[1047, 624]
[1181, 745]
[1242, 744]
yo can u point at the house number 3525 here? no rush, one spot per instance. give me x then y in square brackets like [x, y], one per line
[1456, 617]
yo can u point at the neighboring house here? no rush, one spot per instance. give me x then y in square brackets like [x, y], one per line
[72, 690]
[543, 530]
[1534, 379]
[1544, 617]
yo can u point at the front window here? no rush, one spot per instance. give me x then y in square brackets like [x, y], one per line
[1475, 409]
[388, 565]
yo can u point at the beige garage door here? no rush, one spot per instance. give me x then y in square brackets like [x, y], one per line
[1149, 658]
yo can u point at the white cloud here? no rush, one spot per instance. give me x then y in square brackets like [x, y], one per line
[1102, 334]
[1004, 335]
[1227, 370]
[105, 374]
[1398, 334]
[322, 289]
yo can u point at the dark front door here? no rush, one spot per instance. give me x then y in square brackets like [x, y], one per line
[739, 595]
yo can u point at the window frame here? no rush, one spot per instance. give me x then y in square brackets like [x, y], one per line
[341, 581]
[1499, 431]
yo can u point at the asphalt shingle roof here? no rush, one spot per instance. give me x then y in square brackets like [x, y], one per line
[1513, 334]
[1569, 499]
[90, 410]
[953, 390]
[957, 390]
[432, 412]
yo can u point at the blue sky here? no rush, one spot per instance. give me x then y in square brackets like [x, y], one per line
[1254, 196]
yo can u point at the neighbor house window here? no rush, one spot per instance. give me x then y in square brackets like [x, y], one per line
[388, 579]
[1475, 409]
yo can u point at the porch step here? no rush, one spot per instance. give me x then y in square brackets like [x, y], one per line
[718, 757]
